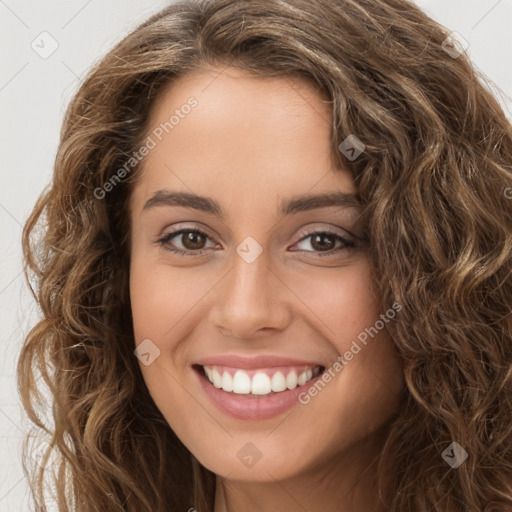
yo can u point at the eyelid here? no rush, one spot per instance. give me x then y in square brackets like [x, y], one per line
[195, 226]
[319, 227]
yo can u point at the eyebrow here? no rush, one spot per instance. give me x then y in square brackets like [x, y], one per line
[289, 206]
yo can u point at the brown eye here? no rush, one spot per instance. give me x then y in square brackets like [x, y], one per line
[192, 241]
[325, 242]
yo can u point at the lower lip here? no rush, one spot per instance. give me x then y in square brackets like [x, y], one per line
[243, 407]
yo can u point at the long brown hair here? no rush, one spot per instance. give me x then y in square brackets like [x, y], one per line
[436, 177]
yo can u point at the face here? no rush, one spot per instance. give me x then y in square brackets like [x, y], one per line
[238, 276]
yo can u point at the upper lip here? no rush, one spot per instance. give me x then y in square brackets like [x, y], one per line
[250, 363]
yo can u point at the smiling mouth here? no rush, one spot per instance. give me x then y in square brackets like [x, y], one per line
[257, 383]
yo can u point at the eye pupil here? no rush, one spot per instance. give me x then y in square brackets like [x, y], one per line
[322, 238]
[193, 237]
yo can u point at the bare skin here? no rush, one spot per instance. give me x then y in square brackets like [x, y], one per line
[249, 144]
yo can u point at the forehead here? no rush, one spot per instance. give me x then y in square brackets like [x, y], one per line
[244, 134]
[229, 88]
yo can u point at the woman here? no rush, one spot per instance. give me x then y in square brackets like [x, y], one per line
[276, 269]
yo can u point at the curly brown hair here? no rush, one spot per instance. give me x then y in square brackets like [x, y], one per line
[436, 180]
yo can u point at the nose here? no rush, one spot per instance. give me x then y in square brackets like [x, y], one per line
[250, 300]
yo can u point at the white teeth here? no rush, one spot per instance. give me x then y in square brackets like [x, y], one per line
[301, 379]
[261, 383]
[217, 381]
[278, 382]
[227, 381]
[241, 383]
[291, 380]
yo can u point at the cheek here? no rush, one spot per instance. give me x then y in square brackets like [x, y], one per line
[162, 296]
[343, 306]
[149, 302]
[165, 303]
[343, 300]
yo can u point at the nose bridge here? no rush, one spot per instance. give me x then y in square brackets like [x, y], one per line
[250, 296]
[249, 282]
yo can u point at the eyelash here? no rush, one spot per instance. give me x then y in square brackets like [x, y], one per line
[164, 242]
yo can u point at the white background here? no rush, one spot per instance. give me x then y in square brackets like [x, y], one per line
[33, 95]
